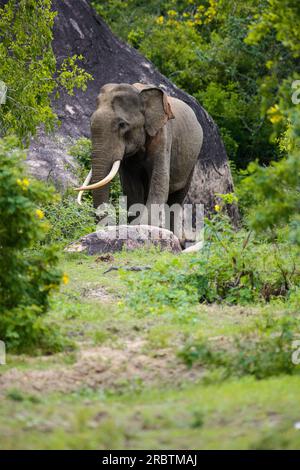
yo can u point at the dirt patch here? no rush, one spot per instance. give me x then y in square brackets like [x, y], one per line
[98, 293]
[104, 367]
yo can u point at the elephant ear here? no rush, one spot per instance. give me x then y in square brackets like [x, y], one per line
[157, 109]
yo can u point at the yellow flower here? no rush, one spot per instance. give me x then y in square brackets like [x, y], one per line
[274, 113]
[211, 11]
[172, 13]
[276, 118]
[217, 208]
[273, 109]
[171, 22]
[65, 279]
[160, 20]
[39, 214]
[24, 183]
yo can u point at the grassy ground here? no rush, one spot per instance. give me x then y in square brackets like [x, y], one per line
[124, 385]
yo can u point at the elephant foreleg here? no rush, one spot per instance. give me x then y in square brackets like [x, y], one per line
[134, 186]
[158, 156]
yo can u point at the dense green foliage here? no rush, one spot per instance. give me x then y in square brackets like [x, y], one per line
[31, 74]
[29, 68]
[233, 267]
[275, 190]
[263, 352]
[201, 46]
[27, 278]
[68, 221]
[82, 151]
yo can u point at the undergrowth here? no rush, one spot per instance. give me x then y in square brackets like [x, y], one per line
[266, 350]
[234, 267]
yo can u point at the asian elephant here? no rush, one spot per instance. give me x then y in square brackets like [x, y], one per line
[153, 140]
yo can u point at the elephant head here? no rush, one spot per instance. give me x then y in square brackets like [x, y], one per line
[125, 116]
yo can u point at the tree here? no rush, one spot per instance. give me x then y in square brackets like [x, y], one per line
[276, 189]
[29, 67]
[200, 46]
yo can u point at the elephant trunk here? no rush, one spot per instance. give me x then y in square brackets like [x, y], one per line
[104, 167]
[107, 152]
[100, 169]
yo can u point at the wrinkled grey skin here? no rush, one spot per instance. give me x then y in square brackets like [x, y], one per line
[157, 138]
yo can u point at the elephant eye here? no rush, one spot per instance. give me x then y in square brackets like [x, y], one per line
[122, 124]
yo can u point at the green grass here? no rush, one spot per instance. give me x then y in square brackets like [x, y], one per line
[235, 415]
[145, 397]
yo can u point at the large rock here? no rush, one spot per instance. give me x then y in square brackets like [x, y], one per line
[79, 30]
[130, 237]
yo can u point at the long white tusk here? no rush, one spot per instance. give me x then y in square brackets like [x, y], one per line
[193, 248]
[86, 181]
[106, 180]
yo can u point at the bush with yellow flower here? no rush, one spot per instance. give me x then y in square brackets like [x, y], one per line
[27, 276]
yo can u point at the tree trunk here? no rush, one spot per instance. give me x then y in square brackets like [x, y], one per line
[79, 30]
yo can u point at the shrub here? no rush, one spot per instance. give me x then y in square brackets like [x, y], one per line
[275, 201]
[82, 150]
[27, 277]
[168, 287]
[240, 268]
[29, 67]
[233, 267]
[265, 353]
[68, 221]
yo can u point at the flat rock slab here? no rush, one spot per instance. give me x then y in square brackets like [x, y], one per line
[129, 237]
